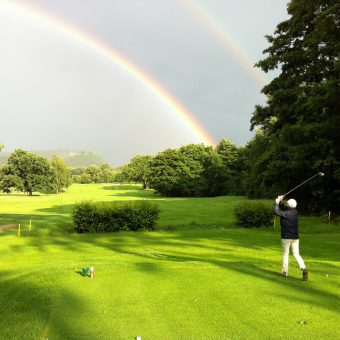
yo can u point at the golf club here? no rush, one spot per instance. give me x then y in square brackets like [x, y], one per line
[318, 174]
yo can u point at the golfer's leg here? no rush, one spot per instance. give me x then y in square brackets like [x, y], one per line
[285, 254]
[295, 251]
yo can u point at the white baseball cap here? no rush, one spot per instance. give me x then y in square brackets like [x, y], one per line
[292, 203]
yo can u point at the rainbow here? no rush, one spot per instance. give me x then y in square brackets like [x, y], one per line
[46, 20]
[222, 33]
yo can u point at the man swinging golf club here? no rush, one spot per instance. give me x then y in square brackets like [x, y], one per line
[289, 234]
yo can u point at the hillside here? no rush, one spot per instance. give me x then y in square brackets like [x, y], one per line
[72, 158]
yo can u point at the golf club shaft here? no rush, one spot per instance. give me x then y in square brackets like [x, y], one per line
[318, 174]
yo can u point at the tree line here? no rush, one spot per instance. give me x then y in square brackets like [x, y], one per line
[28, 172]
[192, 170]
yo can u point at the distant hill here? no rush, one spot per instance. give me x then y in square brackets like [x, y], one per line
[72, 158]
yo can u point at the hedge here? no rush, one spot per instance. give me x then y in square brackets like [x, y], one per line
[253, 214]
[94, 217]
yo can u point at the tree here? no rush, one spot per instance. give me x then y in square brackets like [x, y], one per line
[213, 176]
[192, 170]
[234, 166]
[138, 170]
[30, 172]
[119, 175]
[94, 173]
[301, 118]
[258, 179]
[9, 181]
[172, 173]
[228, 151]
[86, 178]
[106, 173]
[63, 173]
[76, 174]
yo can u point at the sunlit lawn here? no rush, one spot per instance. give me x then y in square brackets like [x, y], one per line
[189, 283]
[52, 213]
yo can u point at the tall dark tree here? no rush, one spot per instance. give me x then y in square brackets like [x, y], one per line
[301, 119]
[213, 177]
[228, 152]
[233, 167]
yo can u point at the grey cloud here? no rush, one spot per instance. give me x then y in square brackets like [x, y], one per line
[58, 94]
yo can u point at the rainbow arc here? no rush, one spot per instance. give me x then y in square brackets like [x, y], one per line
[48, 21]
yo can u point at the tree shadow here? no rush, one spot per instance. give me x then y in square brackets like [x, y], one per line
[151, 254]
[20, 195]
[27, 307]
[250, 266]
[34, 224]
[122, 187]
[62, 209]
[137, 193]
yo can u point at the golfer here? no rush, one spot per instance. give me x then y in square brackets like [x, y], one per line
[289, 234]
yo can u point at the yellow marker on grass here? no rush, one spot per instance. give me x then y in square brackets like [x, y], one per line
[19, 230]
[30, 227]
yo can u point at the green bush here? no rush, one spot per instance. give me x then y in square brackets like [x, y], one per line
[253, 214]
[93, 217]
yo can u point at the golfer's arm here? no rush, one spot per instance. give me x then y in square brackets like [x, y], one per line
[277, 211]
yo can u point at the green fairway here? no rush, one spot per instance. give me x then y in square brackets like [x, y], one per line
[189, 283]
[51, 214]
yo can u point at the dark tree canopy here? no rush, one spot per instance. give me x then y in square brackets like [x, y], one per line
[192, 170]
[301, 119]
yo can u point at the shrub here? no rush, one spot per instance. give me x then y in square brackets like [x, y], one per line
[253, 214]
[92, 217]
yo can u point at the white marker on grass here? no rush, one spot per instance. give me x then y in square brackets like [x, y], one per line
[92, 272]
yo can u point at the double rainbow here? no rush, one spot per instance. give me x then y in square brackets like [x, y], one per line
[223, 34]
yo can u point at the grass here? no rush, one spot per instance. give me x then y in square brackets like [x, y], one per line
[208, 283]
[51, 214]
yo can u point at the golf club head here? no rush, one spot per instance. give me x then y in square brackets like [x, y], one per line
[321, 174]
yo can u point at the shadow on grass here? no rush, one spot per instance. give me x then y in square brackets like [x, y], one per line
[79, 272]
[28, 307]
[20, 195]
[138, 192]
[41, 224]
[123, 187]
[151, 253]
[135, 194]
[237, 251]
[62, 209]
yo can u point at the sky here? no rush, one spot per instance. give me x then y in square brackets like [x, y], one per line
[133, 77]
